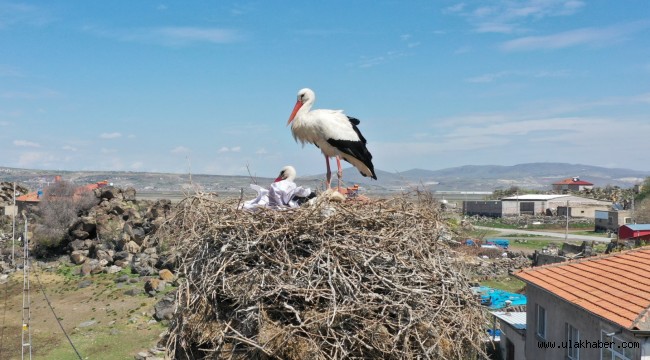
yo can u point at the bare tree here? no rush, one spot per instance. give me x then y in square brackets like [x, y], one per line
[642, 211]
[62, 203]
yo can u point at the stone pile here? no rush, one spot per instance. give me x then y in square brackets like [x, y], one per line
[6, 192]
[115, 234]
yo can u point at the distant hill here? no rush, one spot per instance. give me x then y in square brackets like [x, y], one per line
[538, 176]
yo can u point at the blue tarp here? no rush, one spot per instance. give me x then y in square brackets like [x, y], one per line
[496, 299]
[504, 243]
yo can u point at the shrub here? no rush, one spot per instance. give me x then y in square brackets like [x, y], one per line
[62, 203]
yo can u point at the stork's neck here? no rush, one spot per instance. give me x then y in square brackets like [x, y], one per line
[304, 109]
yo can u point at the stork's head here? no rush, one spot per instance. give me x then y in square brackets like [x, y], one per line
[305, 96]
[287, 173]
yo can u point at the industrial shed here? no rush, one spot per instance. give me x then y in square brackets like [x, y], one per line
[634, 232]
[539, 204]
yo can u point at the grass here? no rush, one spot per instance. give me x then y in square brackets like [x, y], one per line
[533, 244]
[100, 343]
[122, 325]
[508, 283]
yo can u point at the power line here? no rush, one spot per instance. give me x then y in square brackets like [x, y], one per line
[26, 300]
[55, 316]
[4, 318]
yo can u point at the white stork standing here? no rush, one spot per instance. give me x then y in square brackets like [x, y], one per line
[335, 133]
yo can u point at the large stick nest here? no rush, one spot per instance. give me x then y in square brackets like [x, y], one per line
[366, 280]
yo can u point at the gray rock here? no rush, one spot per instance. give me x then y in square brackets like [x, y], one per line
[164, 309]
[133, 292]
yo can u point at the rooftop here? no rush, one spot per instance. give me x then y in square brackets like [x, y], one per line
[573, 181]
[638, 227]
[515, 319]
[529, 197]
[615, 287]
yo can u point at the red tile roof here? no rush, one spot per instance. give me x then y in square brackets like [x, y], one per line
[615, 287]
[33, 196]
[30, 197]
[572, 181]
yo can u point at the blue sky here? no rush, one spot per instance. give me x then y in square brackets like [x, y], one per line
[209, 85]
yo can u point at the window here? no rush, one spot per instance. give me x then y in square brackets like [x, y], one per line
[541, 321]
[572, 338]
[617, 351]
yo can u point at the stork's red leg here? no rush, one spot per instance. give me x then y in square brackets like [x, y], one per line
[339, 173]
[329, 173]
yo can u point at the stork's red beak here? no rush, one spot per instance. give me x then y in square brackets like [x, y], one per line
[295, 111]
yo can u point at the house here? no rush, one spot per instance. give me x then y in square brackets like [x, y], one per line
[512, 339]
[611, 220]
[572, 184]
[638, 232]
[34, 198]
[540, 204]
[594, 308]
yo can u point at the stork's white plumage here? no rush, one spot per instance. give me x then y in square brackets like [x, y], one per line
[335, 133]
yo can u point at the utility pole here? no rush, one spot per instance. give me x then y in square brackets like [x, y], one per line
[26, 339]
[566, 230]
[13, 227]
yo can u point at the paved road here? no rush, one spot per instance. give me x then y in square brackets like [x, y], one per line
[549, 234]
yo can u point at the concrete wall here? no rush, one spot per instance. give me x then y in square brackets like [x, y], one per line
[614, 220]
[581, 211]
[11, 210]
[483, 208]
[514, 207]
[558, 313]
[517, 337]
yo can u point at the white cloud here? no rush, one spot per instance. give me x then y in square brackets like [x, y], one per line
[108, 151]
[36, 159]
[69, 148]
[26, 143]
[226, 149]
[113, 135]
[180, 150]
[511, 16]
[584, 36]
[4, 123]
[172, 36]
[261, 151]
[137, 165]
[490, 77]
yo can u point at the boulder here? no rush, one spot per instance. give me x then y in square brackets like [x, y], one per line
[78, 257]
[166, 275]
[129, 194]
[132, 247]
[164, 309]
[80, 234]
[153, 285]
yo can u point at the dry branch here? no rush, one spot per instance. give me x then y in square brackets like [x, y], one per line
[356, 280]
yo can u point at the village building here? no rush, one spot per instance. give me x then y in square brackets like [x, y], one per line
[512, 340]
[537, 204]
[572, 184]
[635, 232]
[593, 308]
[34, 198]
[611, 220]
